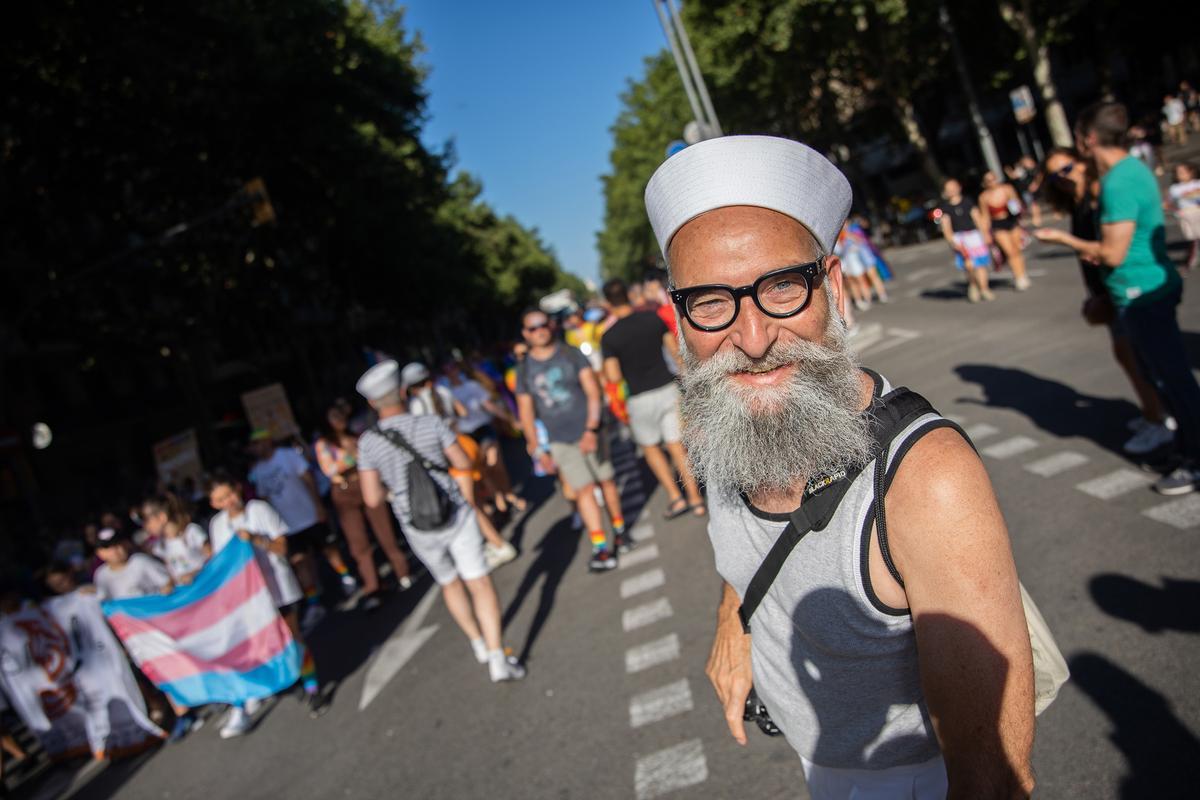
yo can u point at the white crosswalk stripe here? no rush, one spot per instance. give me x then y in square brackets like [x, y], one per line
[645, 553]
[670, 770]
[1182, 514]
[642, 583]
[646, 614]
[642, 532]
[1010, 447]
[661, 703]
[1059, 462]
[651, 654]
[981, 430]
[1106, 487]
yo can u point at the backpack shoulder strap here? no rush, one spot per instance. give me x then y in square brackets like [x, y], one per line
[397, 439]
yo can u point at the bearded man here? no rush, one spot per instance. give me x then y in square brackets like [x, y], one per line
[895, 658]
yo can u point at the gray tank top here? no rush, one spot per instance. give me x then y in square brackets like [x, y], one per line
[835, 667]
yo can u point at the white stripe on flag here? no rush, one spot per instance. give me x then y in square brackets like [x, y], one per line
[214, 641]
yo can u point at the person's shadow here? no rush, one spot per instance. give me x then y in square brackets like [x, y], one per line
[1175, 606]
[1161, 752]
[555, 552]
[1052, 406]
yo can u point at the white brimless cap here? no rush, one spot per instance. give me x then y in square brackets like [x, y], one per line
[763, 171]
[379, 380]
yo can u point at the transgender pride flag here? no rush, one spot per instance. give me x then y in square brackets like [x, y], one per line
[218, 640]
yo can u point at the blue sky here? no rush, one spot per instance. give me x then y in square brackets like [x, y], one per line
[527, 89]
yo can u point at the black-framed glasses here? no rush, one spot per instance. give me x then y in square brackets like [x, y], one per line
[537, 327]
[780, 293]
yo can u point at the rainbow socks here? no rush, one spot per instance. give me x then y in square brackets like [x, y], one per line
[618, 523]
[308, 673]
[599, 541]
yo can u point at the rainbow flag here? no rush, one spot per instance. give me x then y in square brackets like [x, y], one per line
[218, 640]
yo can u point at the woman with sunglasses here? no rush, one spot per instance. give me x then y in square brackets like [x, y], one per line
[1072, 187]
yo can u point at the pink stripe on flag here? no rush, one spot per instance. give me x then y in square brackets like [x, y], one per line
[235, 592]
[243, 657]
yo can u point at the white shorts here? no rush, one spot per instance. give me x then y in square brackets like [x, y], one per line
[854, 263]
[654, 415]
[925, 781]
[451, 553]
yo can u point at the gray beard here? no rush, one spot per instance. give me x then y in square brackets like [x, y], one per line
[745, 440]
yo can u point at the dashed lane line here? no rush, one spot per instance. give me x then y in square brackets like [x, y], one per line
[651, 654]
[646, 614]
[1183, 514]
[1106, 487]
[642, 583]
[1059, 462]
[670, 770]
[640, 533]
[1010, 447]
[661, 703]
[917, 274]
[896, 337]
[981, 430]
[643, 554]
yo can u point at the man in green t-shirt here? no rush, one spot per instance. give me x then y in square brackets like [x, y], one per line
[1141, 279]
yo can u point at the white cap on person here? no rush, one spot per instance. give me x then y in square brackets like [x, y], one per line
[413, 373]
[763, 171]
[379, 380]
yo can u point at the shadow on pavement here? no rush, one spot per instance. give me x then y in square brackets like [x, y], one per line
[556, 551]
[1174, 606]
[954, 291]
[1160, 751]
[1052, 406]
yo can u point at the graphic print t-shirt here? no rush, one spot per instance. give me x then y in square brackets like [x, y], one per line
[557, 395]
[278, 480]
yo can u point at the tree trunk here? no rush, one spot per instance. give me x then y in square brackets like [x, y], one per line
[906, 115]
[1039, 58]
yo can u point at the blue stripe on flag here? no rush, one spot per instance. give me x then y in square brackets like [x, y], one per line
[220, 568]
[236, 688]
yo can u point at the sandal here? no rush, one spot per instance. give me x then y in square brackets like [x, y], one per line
[679, 506]
[517, 502]
[699, 509]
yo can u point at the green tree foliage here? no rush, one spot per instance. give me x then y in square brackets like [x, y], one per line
[654, 111]
[123, 120]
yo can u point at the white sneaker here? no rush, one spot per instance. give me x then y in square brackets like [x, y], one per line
[404, 582]
[313, 615]
[1140, 423]
[505, 668]
[349, 585]
[251, 707]
[480, 649]
[238, 723]
[1148, 439]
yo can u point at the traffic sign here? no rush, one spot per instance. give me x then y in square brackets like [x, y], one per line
[675, 146]
[1022, 102]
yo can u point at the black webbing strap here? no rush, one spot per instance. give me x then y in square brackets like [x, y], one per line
[890, 414]
[397, 439]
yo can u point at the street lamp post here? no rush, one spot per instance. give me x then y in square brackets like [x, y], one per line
[689, 71]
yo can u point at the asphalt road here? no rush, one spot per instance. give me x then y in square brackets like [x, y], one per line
[616, 704]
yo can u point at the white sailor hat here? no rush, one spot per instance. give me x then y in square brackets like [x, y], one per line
[762, 171]
[379, 380]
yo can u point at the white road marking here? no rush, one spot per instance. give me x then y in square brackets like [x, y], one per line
[898, 336]
[1106, 487]
[1010, 447]
[646, 614]
[865, 335]
[1182, 514]
[651, 654]
[400, 647]
[642, 583]
[917, 274]
[1059, 462]
[981, 430]
[647, 552]
[661, 703]
[642, 532]
[669, 770]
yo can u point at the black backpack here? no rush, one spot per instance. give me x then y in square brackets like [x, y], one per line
[429, 506]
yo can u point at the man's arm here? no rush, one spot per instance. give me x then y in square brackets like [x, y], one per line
[612, 370]
[374, 495]
[948, 232]
[949, 543]
[1115, 238]
[527, 417]
[591, 389]
[729, 663]
[672, 345]
[982, 221]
